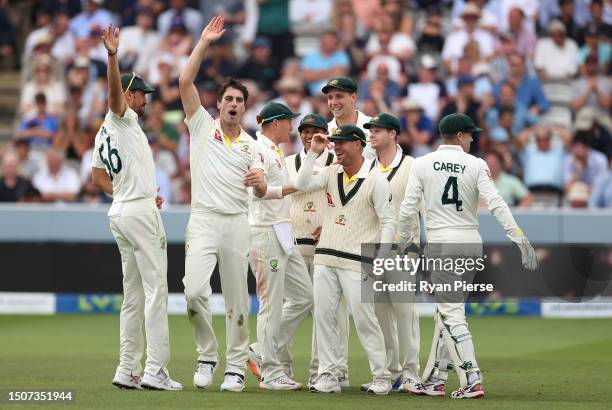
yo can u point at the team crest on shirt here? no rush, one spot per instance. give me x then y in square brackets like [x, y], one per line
[162, 242]
[245, 150]
[261, 158]
[330, 201]
[340, 220]
[217, 136]
[274, 265]
[309, 207]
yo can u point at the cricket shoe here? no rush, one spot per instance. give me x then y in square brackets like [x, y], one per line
[126, 381]
[395, 387]
[160, 381]
[312, 380]
[254, 361]
[326, 383]
[344, 381]
[434, 389]
[233, 382]
[379, 387]
[473, 391]
[281, 383]
[203, 376]
[410, 386]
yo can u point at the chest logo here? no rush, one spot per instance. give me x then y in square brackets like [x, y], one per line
[330, 201]
[340, 220]
[274, 265]
[217, 136]
[309, 207]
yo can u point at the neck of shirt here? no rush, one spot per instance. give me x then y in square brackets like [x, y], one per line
[348, 120]
[386, 157]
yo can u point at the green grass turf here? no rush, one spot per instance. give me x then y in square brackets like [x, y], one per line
[527, 363]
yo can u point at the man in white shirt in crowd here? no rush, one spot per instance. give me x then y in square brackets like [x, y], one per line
[140, 42]
[57, 182]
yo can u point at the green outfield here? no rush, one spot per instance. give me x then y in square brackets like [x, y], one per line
[528, 363]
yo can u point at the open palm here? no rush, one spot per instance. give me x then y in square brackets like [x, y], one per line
[111, 38]
[214, 30]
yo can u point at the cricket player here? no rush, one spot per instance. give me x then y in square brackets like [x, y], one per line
[359, 210]
[221, 153]
[341, 95]
[449, 182]
[284, 288]
[307, 217]
[398, 320]
[122, 166]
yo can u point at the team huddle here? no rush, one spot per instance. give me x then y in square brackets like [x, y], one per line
[299, 222]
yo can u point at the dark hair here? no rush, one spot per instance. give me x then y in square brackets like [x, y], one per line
[505, 109]
[40, 98]
[581, 137]
[232, 83]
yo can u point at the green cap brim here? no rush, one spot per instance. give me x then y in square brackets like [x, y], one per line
[371, 124]
[302, 126]
[326, 89]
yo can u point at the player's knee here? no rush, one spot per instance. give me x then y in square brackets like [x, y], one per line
[133, 301]
[193, 293]
[460, 333]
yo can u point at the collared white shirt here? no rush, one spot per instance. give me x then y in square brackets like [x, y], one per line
[218, 165]
[396, 160]
[449, 181]
[268, 212]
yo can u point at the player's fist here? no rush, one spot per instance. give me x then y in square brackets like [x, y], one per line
[110, 38]
[319, 143]
[214, 30]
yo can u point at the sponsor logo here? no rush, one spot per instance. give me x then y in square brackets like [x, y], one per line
[162, 242]
[217, 136]
[274, 265]
[309, 207]
[340, 220]
[330, 201]
[261, 158]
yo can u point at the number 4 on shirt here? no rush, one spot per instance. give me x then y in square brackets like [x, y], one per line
[447, 198]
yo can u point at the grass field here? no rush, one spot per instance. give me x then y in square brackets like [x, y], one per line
[528, 363]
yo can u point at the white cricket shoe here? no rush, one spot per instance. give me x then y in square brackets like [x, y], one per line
[379, 387]
[232, 382]
[203, 376]
[160, 381]
[326, 383]
[429, 388]
[364, 387]
[254, 361]
[344, 381]
[127, 381]
[473, 391]
[312, 380]
[410, 386]
[281, 383]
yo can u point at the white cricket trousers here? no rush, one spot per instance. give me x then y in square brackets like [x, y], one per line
[343, 332]
[330, 284]
[141, 238]
[284, 290]
[212, 238]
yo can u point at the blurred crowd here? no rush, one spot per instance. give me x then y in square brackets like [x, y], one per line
[534, 74]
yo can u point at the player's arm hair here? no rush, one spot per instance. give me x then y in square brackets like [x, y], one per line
[187, 88]
[116, 100]
[100, 178]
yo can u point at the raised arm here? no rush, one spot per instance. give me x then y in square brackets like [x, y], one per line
[116, 101]
[189, 93]
[304, 180]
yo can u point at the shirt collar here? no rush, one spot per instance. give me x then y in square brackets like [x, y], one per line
[242, 137]
[363, 171]
[268, 143]
[447, 146]
[395, 162]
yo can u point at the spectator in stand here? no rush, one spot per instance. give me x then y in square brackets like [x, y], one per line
[13, 187]
[589, 123]
[511, 189]
[90, 92]
[416, 129]
[167, 88]
[310, 17]
[583, 164]
[139, 43]
[208, 96]
[353, 45]
[261, 66]
[529, 93]
[556, 56]
[95, 14]
[28, 166]
[542, 161]
[521, 117]
[593, 91]
[44, 29]
[173, 50]
[456, 41]
[64, 45]
[39, 130]
[392, 65]
[431, 36]
[328, 62]
[386, 41]
[391, 89]
[465, 103]
[399, 10]
[601, 196]
[597, 23]
[524, 36]
[57, 182]
[274, 24]
[191, 18]
[566, 17]
[428, 91]
[8, 41]
[595, 43]
[165, 134]
[43, 83]
[91, 194]
[72, 138]
[291, 90]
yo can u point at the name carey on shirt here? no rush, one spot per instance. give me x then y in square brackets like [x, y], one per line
[449, 166]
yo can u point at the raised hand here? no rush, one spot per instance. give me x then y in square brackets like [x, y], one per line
[214, 30]
[318, 143]
[111, 38]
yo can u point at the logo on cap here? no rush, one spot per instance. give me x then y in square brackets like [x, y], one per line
[333, 82]
[376, 118]
[337, 131]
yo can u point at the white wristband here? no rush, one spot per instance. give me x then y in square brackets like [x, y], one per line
[274, 192]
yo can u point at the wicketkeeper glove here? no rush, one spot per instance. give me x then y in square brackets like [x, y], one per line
[528, 255]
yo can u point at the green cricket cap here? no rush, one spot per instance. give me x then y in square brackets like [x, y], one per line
[314, 120]
[348, 133]
[132, 82]
[342, 83]
[275, 111]
[383, 120]
[454, 123]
